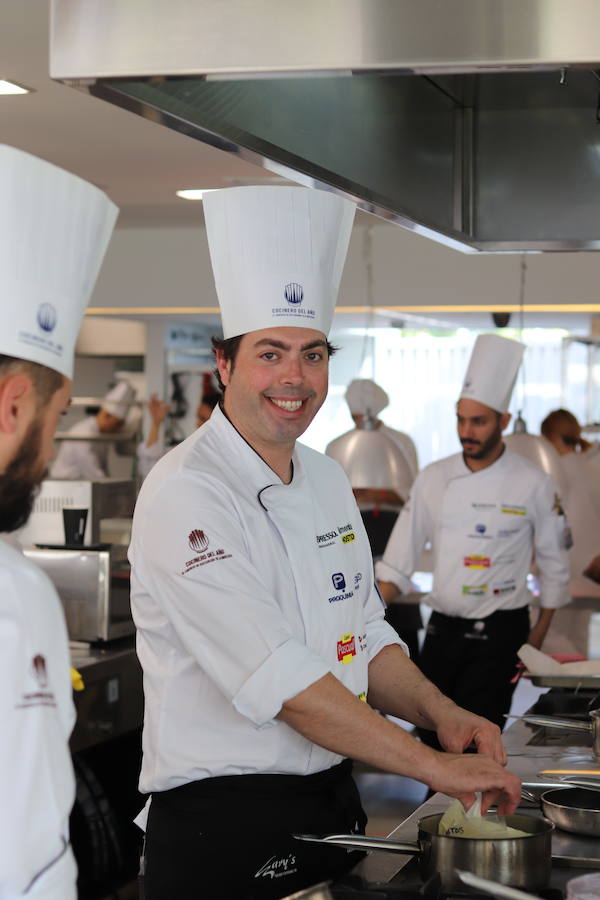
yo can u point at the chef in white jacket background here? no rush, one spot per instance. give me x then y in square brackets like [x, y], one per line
[81, 459]
[486, 511]
[363, 397]
[259, 629]
[54, 231]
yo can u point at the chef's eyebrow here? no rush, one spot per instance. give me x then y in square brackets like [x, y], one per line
[281, 345]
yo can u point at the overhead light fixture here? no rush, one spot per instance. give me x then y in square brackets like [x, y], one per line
[11, 87]
[194, 193]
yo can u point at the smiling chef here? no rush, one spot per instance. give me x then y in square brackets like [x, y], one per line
[261, 635]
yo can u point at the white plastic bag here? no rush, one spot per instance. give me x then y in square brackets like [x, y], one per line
[471, 824]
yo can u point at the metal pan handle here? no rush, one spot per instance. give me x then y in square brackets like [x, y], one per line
[551, 722]
[361, 842]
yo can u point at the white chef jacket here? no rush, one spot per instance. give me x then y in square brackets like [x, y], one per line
[37, 786]
[405, 443]
[245, 591]
[81, 459]
[147, 457]
[483, 527]
[583, 509]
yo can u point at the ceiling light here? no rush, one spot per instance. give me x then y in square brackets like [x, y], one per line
[11, 87]
[194, 193]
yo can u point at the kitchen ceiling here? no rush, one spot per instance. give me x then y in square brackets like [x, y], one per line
[137, 162]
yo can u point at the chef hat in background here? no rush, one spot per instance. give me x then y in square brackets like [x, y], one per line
[364, 395]
[54, 231]
[492, 371]
[277, 255]
[119, 400]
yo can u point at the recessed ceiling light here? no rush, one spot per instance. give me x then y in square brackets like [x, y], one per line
[11, 87]
[194, 193]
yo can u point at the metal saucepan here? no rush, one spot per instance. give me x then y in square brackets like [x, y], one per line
[523, 862]
[592, 727]
[574, 809]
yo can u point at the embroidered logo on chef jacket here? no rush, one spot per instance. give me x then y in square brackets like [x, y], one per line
[39, 674]
[339, 583]
[557, 506]
[483, 505]
[507, 532]
[357, 580]
[474, 590]
[329, 537]
[504, 587]
[362, 642]
[198, 541]
[346, 648]
[510, 509]
[480, 532]
[477, 562]
[47, 317]
[278, 867]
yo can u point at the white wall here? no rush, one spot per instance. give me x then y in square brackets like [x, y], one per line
[171, 267]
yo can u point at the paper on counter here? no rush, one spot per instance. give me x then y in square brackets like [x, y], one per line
[539, 663]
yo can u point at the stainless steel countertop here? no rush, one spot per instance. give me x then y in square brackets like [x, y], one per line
[572, 854]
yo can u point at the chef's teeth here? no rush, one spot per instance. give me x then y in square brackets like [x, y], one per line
[290, 405]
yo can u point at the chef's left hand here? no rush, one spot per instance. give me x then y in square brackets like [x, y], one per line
[463, 728]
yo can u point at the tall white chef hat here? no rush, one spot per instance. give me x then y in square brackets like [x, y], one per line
[54, 231]
[362, 394]
[119, 399]
[277, 255]
[492, 371]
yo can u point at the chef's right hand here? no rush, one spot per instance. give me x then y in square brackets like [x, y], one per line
[462, 775]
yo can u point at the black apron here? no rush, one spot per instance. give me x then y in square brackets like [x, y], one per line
[474, 661]
[232, 836]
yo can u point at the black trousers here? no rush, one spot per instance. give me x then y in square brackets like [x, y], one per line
[473, 661]
[220, 838]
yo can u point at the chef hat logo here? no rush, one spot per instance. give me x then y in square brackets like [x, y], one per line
[38, 664]
[198, 541]
[294, 293]
[47, 317]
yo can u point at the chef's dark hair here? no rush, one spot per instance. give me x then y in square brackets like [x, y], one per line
[230, 346]
[46, 381]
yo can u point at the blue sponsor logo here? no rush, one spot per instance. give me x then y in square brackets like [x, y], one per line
[46, 317]
[480, 529]
[357, 579]
[293, 293]
[339, 582]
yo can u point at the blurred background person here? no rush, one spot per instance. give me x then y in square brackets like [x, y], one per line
[569, 631]
[88, 460]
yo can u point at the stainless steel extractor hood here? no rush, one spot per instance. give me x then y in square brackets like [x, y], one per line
[474, 122]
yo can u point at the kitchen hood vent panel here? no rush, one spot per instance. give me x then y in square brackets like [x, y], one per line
[474, 122]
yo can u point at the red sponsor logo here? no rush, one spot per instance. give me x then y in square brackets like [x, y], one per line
[38, 665]
[477, 562]
[198, 541]
[346, 648]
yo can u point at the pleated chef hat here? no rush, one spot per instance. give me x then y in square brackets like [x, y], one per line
[277, 255]
[119, 399]
[492, 371]
[362, 394]
[54, 231]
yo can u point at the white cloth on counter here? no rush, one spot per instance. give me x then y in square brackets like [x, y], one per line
[484, 527]
[539, 663]
[37, 784]
[85, 460]
[245, 591]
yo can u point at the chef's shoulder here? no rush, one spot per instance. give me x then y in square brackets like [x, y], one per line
[321, 465]
[21, 581]
[522, 467]
[434, 477]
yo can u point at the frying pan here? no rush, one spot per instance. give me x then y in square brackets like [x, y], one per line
[574, 809]
[523, 862]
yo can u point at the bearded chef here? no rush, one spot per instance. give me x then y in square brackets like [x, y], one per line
[55, 229]
[81, 459]
[485, 511]
[260, 632]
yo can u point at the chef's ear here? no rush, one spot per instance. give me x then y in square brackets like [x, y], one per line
[504, 420]
[223, 367]
[18, 403]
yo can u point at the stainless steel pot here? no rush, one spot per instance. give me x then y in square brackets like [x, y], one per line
[316, 892]
[523, 862]
[592, 727]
